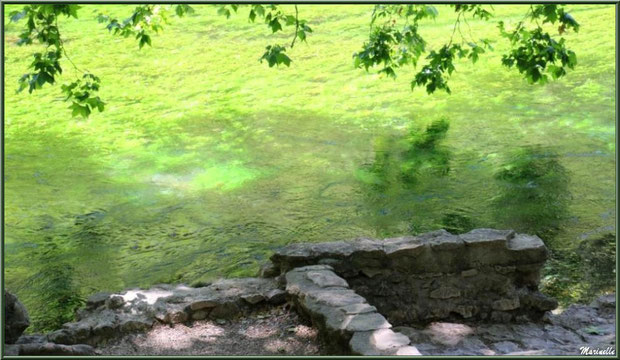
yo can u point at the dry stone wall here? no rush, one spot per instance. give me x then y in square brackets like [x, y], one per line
[485, 274]
[345, 320]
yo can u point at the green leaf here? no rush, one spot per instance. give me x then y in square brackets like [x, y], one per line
[275, 25]
[431, 11]
[224, 11]
[81, 110]
[290, 20]
[145, 39]
[283, 59]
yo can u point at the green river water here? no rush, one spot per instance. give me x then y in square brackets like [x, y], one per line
[165, 191]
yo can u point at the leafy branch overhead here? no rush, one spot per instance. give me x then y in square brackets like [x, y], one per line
[273, 16]
[394, 42]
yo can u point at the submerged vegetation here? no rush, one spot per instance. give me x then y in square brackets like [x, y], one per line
[205, 160]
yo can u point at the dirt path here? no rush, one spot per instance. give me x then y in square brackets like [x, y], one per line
[278, 331]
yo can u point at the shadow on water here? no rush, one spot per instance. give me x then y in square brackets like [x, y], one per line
[534, 193]
[599, 262]
[57, 294]
[404, 173]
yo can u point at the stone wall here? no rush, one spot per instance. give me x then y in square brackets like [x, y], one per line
[346, 322]
[108, 315]
[485, 274]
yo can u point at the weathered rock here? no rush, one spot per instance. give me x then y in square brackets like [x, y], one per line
[16, 316]
[448, 334]
[114, 302]
[504, 347]
[268, 270]
[605, 302]
[275, 296]
[204, 304]
[32, 339]
[225, 310]
[62, 336]
[136, 310]
[11, 350]
[366, 322]
[470, 272]
[326, 278]
[445, 292]
[378, 342]
[506, 304]
[98, 299]
[135, 324]
[45, 349]
[253, 298]
[359, 308]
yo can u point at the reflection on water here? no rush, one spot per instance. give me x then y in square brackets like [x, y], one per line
[57, 295]
[402, 168]
[535, 194]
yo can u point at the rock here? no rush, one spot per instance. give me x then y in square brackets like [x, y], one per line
[506, 304]
[268, 270]
[445, 241]
[225, 310]
[504, 347]
[576, 317]
[337, 298]
[253, 298]
[377, 342]
[11, 350]
[326, 279]
[501, 316]
[469, 273]
[486, 237]
[466, 311]
[448, 334]
[17, 319]
[366, 322]
[275, 296]
[203, 304]
[200, 315]
[34, 338]
[445, 292]
[353, 309]
[605, 302]
[408, 351]
[370, 272]
[135, 324]
[415, 335]
[528, 248]
[114, 302]
[62, 336]
[98, 299]
[176, 316]
[536, 300]
[45, 349]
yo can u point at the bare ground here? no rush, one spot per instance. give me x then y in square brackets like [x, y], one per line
[277, 331]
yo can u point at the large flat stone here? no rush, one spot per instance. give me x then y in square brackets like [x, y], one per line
[487, 237]
[378, 342]
[367, 321]
[326, 279]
